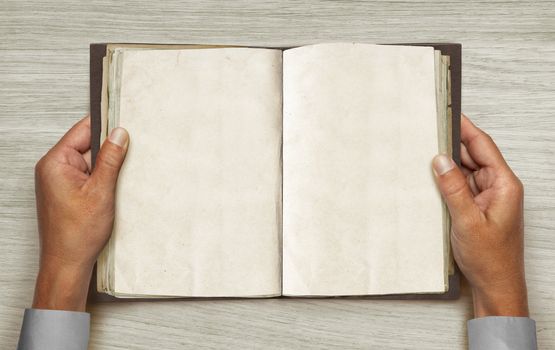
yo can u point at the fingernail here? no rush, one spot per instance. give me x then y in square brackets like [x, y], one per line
[119, 137]
[442, 164]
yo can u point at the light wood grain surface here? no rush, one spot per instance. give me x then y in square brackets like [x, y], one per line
[508, 89]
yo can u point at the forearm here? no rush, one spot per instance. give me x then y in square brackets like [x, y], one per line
[62, 287]
[512, 301]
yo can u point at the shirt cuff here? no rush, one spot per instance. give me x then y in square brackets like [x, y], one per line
[54, 329]
[502, 333]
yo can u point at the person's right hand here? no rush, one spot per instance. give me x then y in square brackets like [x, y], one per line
[485, 200]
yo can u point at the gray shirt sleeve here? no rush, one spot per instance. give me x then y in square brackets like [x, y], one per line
[69, 330]
[54, 329]
[502, 333]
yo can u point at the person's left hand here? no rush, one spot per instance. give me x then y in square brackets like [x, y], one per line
[75, 211]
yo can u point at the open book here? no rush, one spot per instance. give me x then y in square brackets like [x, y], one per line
[258, 172]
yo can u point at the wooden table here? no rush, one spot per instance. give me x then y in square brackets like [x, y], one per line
[508, 90]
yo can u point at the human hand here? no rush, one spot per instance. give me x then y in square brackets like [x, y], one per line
[75, 210]
[485, 199]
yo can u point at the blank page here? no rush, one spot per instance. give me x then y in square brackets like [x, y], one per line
[361, 213]
[199, 197]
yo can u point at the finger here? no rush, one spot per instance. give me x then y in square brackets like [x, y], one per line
[109, 160]
[454, 189]
[467, 160]
[480, 145]
[79, 136]
[87, 157]
[76, 160]
[471, 180]
[466, 171]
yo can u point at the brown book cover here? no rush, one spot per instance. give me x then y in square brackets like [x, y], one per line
[453, 50]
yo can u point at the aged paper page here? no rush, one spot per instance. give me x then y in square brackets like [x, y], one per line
[361, 211]
[198, 209]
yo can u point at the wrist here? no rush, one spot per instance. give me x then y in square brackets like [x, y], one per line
[508, 301]
[62, 287]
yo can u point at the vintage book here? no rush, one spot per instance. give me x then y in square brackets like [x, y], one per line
[262, 172]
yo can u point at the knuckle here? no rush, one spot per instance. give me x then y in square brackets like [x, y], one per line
[519, 186]
[41, 166]
[485, 136]
[455, 188]
[110, 157]
[515, 188]
[488, 137]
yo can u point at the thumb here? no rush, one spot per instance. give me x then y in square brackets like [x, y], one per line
[110, 159]
[454, 188]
